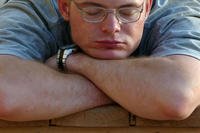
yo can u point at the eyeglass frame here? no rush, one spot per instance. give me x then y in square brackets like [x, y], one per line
[107, 11]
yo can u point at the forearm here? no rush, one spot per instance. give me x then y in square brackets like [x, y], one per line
[32, 91]
[160, 84]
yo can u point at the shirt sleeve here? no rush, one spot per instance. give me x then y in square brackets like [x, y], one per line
[177, 31]
[24, 32]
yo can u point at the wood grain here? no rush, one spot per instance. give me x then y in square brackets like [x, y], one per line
[106, 116]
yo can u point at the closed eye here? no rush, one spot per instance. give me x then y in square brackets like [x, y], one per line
[92, 11]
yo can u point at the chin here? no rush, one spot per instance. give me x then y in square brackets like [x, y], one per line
[109, 57]
[108, 54]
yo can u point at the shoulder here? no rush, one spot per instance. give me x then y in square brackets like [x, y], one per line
[172, 28]
[163, 10]
[44, 10]
[26, 23]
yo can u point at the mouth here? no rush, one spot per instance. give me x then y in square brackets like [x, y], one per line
[109, 44]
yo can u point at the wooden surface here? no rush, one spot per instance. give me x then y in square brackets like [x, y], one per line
[106, 119]
[107, 116]
[24, 124]
[99, 130]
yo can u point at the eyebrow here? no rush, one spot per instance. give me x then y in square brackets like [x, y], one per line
[133, 4]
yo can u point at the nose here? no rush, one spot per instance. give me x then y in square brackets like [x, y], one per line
[111, 24]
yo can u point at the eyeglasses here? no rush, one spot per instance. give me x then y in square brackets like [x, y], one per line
[95, 14]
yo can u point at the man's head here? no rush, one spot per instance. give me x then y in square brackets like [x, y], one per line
[106, 29]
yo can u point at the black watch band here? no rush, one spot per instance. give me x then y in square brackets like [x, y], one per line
[63, 53]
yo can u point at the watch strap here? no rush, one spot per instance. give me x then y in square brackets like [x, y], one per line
[62, 55]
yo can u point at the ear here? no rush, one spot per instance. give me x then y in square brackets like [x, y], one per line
[64, 6]
[148, 7]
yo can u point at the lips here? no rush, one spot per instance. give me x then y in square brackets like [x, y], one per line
[109, 44]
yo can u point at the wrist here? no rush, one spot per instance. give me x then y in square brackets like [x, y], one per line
[78, 63]
[63, 53]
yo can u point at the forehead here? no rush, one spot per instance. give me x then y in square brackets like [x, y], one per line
[112, 3]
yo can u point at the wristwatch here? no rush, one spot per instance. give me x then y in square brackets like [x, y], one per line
[63, 53]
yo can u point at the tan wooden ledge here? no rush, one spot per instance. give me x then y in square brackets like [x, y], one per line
[112, 118]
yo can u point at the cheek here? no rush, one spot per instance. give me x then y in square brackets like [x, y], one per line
[83, 33]
[77, 27]
[78, 32]
[135, 33]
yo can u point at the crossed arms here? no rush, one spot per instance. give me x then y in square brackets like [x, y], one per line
[167, 87]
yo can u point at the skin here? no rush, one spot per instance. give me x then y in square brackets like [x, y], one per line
[167, 88]
[110, 39]
[162, 97]
[148, 80]
[37, 92]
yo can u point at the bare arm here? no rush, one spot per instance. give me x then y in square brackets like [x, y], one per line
[33, 91]
[165, 88]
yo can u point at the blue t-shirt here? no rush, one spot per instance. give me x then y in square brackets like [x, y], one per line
[34, 29]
